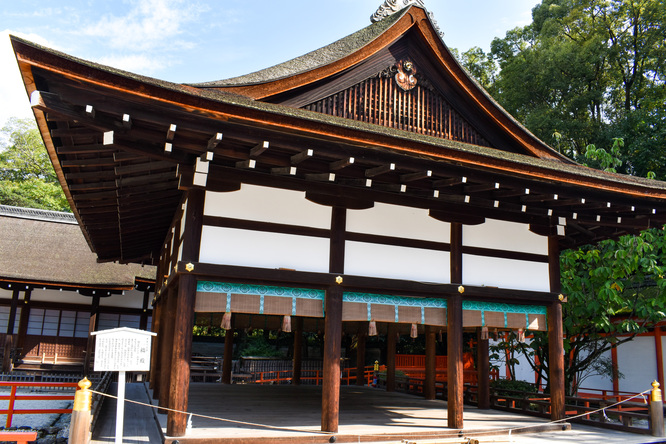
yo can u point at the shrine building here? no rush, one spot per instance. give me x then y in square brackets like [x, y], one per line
[370, 185]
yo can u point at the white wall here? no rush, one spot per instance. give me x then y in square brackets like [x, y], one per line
[393, 220]
[265, 204]
[505, 273]
[388, 261]
[637, 360]
[502, 235]
[264, 250]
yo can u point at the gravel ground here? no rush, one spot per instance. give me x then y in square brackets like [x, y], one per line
[53, 428]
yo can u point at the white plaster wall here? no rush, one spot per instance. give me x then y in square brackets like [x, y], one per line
[598, 382]
[7, 294]
[397, 221]
[131, 299]
[62, 297]
[637, 360]
[231, 246]
[265, 204]
[388, 261]
[505, 273]
[502, 235]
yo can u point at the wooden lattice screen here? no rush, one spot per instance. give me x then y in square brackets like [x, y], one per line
[381, 101]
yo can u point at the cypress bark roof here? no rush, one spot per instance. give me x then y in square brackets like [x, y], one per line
[47, 248]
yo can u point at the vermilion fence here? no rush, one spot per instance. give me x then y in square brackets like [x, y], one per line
[310, 377]
[13, 397]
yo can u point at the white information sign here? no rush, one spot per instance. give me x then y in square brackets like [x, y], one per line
[122, 349]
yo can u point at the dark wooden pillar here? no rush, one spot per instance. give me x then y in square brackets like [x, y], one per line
[9, 338]
[185, 294]
[23, 322]
[454, 362]
[391, 342]
[166, 344]
[298, 350]
[555, 335]
[556, 361]
[429, 391]
[227, 360]
[181, 355]
[155, 349]
[143, 322]
[454, 334]
[361, 336]
[483, 371]
[330, 405]
[92, 326]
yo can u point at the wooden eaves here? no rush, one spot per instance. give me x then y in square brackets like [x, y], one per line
[125, 147]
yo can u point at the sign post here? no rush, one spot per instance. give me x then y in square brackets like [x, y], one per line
[121, 350]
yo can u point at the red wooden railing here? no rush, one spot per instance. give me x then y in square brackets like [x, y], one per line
[13, 397]
[347, 377]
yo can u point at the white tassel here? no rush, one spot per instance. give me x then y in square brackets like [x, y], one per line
[414, 333]
[286, 324]
[372, 328]
[521, 335]
[226, 321]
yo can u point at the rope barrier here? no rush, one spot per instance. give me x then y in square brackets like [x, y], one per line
[434, 436]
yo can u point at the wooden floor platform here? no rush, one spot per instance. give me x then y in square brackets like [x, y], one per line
[254, 414]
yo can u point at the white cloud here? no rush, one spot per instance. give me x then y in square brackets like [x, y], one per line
[147, 26]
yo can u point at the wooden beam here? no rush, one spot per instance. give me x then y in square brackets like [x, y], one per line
[321, 177]
[454, 335]
[298, 350]
[227, 360]
[214, 141]
[483, 370]
[182, 355]
[145, 167]
[171, 132]
[96, 148]
[340, 164]
[449, 182]
[378, 171]
[301, 157]
[361, 336]
[330, 410]
[284, 171]
[429, 392]
[411, 177]
[87, 163]
[259, 149]
[246, 164]
[391, 344]
[481, 187]
[555, 335]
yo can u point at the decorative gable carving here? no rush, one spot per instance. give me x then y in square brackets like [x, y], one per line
[400, 97]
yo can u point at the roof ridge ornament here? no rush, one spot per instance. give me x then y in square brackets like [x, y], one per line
[390, 7]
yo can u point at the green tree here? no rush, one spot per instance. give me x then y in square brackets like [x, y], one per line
[27, 178]
[616, 290]
[591, 70]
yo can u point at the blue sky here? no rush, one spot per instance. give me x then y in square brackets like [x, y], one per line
[194, 41]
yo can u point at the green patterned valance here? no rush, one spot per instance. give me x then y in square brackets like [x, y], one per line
[498, 315]
[259, 299]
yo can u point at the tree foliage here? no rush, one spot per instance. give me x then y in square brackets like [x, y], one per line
[27, 178]
[591, 71]
[616, 290]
